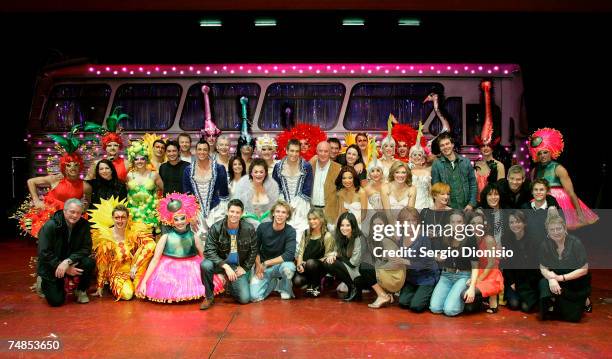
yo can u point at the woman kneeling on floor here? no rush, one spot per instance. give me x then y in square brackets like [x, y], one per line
[385, 274]
[344, 262]
[457, 284]
[567, 282]
[317, 245]
[490, 281]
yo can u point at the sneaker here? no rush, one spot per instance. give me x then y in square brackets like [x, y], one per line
[207, 303]
[342, 287]
[284, 295]
[81, 296]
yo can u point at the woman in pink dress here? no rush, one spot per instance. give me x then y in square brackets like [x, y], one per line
[174, 272]
[545, 146]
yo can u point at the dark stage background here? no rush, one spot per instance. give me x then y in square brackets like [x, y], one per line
[564, 58]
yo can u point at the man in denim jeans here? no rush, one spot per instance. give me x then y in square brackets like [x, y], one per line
[231, 248]
[274, 267]
[456, 171]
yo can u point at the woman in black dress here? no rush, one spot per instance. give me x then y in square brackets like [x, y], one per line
[105, 184]
[521, 272]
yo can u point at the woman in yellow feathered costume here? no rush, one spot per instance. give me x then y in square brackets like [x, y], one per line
[122, 248]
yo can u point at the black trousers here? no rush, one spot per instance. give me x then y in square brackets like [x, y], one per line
[53, 289]
[415, 297]
[368, 275]
[338, 270]
[314, 270]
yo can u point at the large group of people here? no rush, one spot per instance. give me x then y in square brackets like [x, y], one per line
[192, 226]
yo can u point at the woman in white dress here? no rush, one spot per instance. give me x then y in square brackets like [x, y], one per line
[421, 177]
[258, 192]
[351, 197]
[388, 150]
[376, 190]
[401, 191]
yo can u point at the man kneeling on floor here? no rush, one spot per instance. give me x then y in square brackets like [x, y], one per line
[274, 267]
[64, 246]
[231, 248]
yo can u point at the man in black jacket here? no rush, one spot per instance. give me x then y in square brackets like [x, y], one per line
[231, 248]
[64, 246]
[515, 189]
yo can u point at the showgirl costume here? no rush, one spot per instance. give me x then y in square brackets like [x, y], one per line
[256, 213]
[245, 138]
[149, 142]
[405, 133]
[423, 182]
[142, 197]
[114, 259]
[111, 133]
[374, 203]
[266, 141]
[387, 141]
[552, 140]
[30, 218]
[486, 139]
[209, 129]
[312, 135]
[176, 277]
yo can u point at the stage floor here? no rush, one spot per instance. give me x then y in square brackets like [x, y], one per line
[323, 327]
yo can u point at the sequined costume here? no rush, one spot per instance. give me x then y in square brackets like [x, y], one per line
[34, 218]
[175, 276]
[142, 199]
[115, 259]
[551, 140]
[547, 172]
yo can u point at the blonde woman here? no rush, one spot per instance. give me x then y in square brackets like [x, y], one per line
[317, 245]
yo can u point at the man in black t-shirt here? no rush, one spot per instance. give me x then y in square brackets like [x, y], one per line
[171, 171]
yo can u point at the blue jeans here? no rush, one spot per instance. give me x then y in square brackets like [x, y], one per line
[278, 277]
[446, 297]
[238, 289]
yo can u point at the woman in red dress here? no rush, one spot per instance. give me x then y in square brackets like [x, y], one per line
[63, 186]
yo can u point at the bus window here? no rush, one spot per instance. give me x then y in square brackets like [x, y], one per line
[224, 104]
[315, 103]
[69, 105]
[371, 103]
[150, 107]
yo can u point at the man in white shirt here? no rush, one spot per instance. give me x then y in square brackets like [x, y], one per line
[324, 187]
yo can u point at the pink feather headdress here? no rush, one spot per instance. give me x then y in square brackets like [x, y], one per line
[175, 203]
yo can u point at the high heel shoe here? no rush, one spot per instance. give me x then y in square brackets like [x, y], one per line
[379, 303]
[353, 292]
[589, 307]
